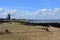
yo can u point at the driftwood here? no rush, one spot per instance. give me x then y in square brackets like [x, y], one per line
[46, 29]
[7, 31]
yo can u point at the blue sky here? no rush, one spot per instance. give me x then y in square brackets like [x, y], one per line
[32, 6]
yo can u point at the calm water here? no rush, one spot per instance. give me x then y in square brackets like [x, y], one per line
[44, 21]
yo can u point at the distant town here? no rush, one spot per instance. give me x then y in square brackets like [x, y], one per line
[8, 19]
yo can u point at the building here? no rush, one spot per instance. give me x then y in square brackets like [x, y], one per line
[8, 17]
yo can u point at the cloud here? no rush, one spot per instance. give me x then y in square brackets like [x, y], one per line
[39, 14]
[17, 13]
[48, 13]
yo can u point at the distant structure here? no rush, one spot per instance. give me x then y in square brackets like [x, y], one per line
[9, 17]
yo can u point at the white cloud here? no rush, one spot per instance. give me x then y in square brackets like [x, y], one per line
[48, 13]
[39, 14]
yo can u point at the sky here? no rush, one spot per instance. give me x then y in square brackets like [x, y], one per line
[30, 9]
